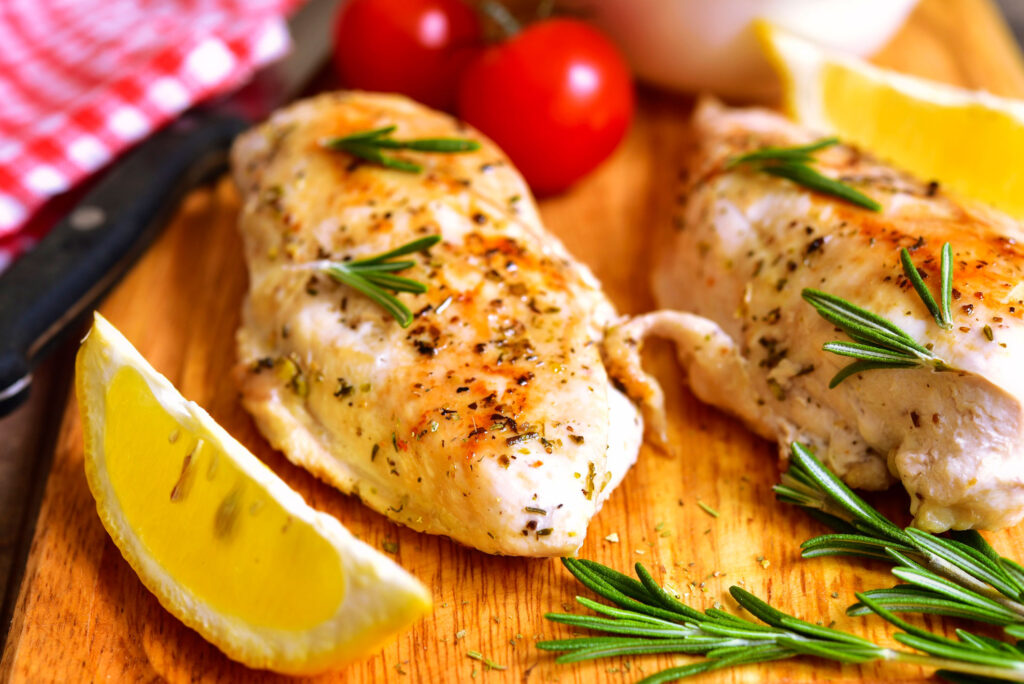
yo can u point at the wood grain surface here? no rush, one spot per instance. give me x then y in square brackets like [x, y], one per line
[82, 615]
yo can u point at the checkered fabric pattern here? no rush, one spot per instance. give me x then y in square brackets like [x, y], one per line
[82, 80]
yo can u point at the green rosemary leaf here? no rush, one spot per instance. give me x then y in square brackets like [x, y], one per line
[1011, 571]
[673, 674]
[834, 487]
[374, 267]
[945, 587]
[663, 597]
[910, 599]
[618, 626]
[869, 352]
[417, 245]
[801, 153]
[399, 311]
[363, 135]
[804, 175]
[735, 631]
[728, 618]
[914, 276]
[892, 618]
[962, 653]
[843, 653]
[447, 145]
[862, 325]
[370, 152]
[624, 583]
[946, 285]
[622, 613]
[862, 366]
[576, 644]
[964, 557]
[368, 145]
[847, 545]
[396, 283]
[988, 643]
[629, 646]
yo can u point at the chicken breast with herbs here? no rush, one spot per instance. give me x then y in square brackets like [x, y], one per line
[747, 243]
[491, 418]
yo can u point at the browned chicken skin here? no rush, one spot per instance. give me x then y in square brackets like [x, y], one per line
[491, 419]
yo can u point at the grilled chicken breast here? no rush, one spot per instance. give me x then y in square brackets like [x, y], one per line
[746, 245]
[491, 419]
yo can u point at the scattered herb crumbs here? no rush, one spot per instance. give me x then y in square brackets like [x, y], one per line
[613, 538]
[987, 330]
[490, 664]
[534, 509]
[389, 546]
[707, 509]
[399, 670]
[461, 634]
[835, 594]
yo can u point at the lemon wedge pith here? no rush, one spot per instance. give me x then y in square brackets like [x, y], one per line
[970, 141]
[225, 545]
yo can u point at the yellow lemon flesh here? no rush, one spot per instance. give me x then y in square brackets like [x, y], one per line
[226, 545]
[969, 141]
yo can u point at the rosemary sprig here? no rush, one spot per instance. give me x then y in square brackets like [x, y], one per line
[961, 576]
[879, 343]
[646, 619]
[370, 145]
[374, 277]
[793, 163]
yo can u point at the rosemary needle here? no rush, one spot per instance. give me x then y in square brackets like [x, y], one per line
[374, 277]
[370, 145]
[793, 163]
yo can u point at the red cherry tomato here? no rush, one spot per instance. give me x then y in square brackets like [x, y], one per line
[414, 47]
[557, 97]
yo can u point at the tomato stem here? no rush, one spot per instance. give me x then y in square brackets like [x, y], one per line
[502, 18]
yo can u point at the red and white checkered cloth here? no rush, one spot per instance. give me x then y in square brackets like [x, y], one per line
[82, 80]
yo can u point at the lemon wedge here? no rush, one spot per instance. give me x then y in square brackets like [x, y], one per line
[223, 543]
[970, 141]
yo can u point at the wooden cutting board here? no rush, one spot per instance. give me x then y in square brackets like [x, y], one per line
[83, 615]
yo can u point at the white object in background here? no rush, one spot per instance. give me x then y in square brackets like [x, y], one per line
[710, 44]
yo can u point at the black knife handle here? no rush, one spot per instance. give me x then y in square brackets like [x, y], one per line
[45, 291]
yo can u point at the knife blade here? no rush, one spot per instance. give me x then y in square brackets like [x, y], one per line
[45, 291]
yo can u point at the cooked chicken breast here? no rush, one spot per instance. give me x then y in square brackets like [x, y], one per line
[491, 419]
[745, 246]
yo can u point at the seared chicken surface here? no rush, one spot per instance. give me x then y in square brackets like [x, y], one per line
[491, 419]
[746, 245]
